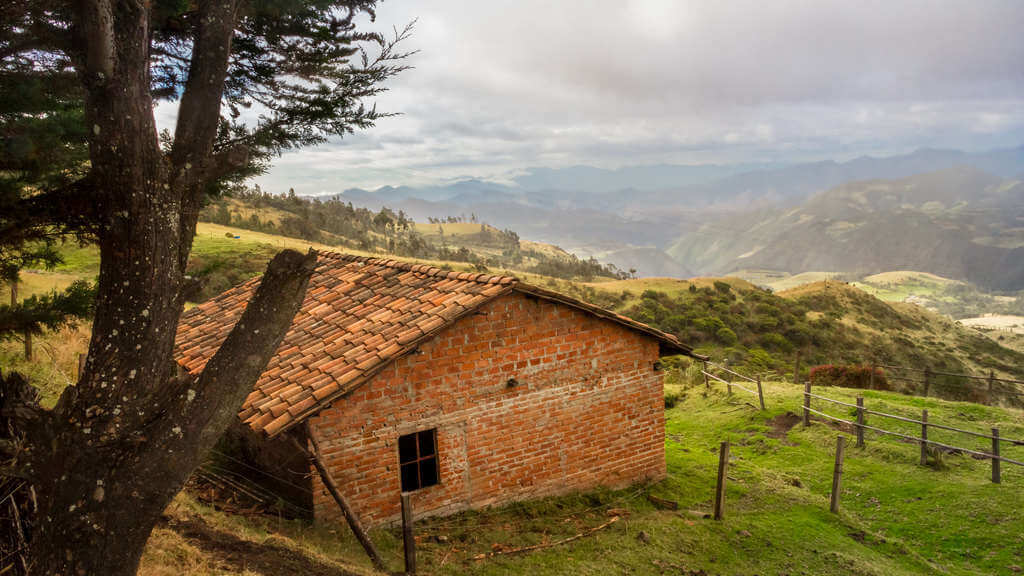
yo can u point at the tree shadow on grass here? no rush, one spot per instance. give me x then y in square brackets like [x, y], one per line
[238, 554]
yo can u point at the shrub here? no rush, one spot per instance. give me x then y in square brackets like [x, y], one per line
[848, 376]
[774, 341]
[726, 336]
[672, 398]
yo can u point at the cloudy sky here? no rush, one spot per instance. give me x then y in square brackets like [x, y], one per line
[500, 86]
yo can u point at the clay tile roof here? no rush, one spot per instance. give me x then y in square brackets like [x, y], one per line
[359, 315]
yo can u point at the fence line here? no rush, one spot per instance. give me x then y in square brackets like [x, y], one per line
[860, 425]
[923, 440]
[939, 381]
[720, 367]
[913, 421]
[727, 383]
[917, 439]
[940, 373]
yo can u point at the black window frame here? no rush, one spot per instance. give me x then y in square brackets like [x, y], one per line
[420, 460]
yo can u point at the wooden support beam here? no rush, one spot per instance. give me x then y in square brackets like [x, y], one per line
[332, 487]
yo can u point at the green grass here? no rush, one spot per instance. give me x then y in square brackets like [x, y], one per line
[900, 285]
[37, 282]
[55, 359]
[783, 280]
[897, 517]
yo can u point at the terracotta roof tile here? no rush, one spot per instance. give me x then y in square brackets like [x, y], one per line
[359, 314]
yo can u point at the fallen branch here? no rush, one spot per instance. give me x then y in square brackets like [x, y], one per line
[662, 503]
[446, 555]
[546, 545]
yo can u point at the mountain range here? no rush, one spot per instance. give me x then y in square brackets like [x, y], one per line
[947, 212]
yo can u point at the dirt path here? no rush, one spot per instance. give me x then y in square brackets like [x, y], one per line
[240, 555]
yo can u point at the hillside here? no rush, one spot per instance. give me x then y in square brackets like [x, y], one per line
[777, 519]
[954, 298]
[336, 222]
[897, 518]
[729, 318]
[827, 321]
[959, 223]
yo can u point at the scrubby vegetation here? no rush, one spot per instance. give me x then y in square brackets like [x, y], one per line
[826, 322]
[849, 376]
[335, 222]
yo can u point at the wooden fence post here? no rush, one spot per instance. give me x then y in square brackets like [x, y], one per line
[837, 475]
[707, 383]
[807, 403]
[728, 382]
[408, 539]
[924, 437]
[991, 386]
[927, 381]
[995, 452]
[760, 391]
[723, 463]
[860, 421]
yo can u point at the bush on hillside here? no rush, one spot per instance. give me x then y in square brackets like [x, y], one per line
[848, 376]
[726, 336]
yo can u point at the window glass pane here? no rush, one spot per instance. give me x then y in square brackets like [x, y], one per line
[407, 448]
[426, 443]
[428, 472]
[410, 481]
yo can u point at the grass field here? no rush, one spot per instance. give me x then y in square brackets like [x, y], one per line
[38, 282]
[671, 286]
[905, 285]
[433, 231]
[1006, 323]
[897, 518]
[783, 280]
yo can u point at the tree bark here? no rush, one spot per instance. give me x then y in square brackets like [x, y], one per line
[119, 445]
[103, 491]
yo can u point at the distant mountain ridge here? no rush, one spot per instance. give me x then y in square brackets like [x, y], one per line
[961, 223]
[636, 216]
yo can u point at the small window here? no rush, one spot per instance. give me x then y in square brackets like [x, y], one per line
[417, 457]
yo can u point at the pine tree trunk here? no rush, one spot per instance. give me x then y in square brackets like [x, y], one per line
[119, 445]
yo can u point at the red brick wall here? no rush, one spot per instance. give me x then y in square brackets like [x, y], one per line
[588, 411]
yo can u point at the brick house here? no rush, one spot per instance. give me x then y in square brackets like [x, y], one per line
[464, 389]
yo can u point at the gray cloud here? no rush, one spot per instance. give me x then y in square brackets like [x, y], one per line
[501, 85]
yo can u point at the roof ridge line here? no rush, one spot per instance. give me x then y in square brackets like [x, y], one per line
[425, 269]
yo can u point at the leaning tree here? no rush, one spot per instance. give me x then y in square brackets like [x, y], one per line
[250, 78]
